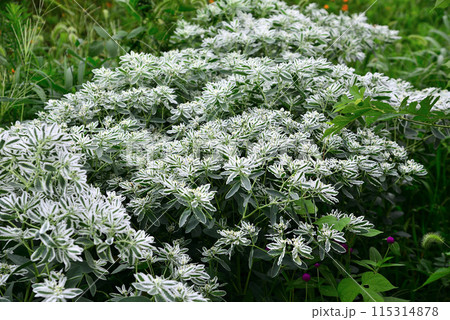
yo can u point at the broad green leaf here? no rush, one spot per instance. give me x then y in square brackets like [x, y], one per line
[376, 282]
[348, 290]
[332, 220]
[305, 206]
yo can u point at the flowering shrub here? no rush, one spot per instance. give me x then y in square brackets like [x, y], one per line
[173, 168]
[51, 218]
[271, 28]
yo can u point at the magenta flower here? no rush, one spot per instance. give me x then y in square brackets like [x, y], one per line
[316, 264]
[390, 240]
[306, 277]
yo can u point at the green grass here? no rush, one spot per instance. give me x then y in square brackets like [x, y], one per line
[49, 47]
[421, 56]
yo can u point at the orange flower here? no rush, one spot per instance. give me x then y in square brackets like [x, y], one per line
[13, 71]
[109, 5]
[345, 7]
[344, 0]
[326, 6]
[211, 1]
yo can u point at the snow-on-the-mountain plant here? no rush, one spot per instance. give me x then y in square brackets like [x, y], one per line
[157, 177]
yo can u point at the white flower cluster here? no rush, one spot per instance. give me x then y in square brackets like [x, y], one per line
[246, 157]
[273, 29]
[308, 237]
[191, 86]
[47, 206]
[7, 269]
[53, 289]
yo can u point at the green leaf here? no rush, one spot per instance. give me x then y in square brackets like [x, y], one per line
[442, 4]
[101, 32]
[374, 255]
[250, 258]
[438, 274]
[245, 182]
[198, 213]
[135, 32]
[191, 224]
[357, 93]
[120, 35]
[372, 233]
[91, 284]
[369, 264]
[120, 268]
[68, 78]
[95, 48]
[326, 219]
[184, 216]
[328, 291]
[40, 92]
[273, 272]
[305, 206]
[332, 220]
[39, 253]
[376, 282]
[232, 191]
[275, 193]
[395, 248]
[112, 48]
[348, 290]
[370, 295]
[81, 69]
